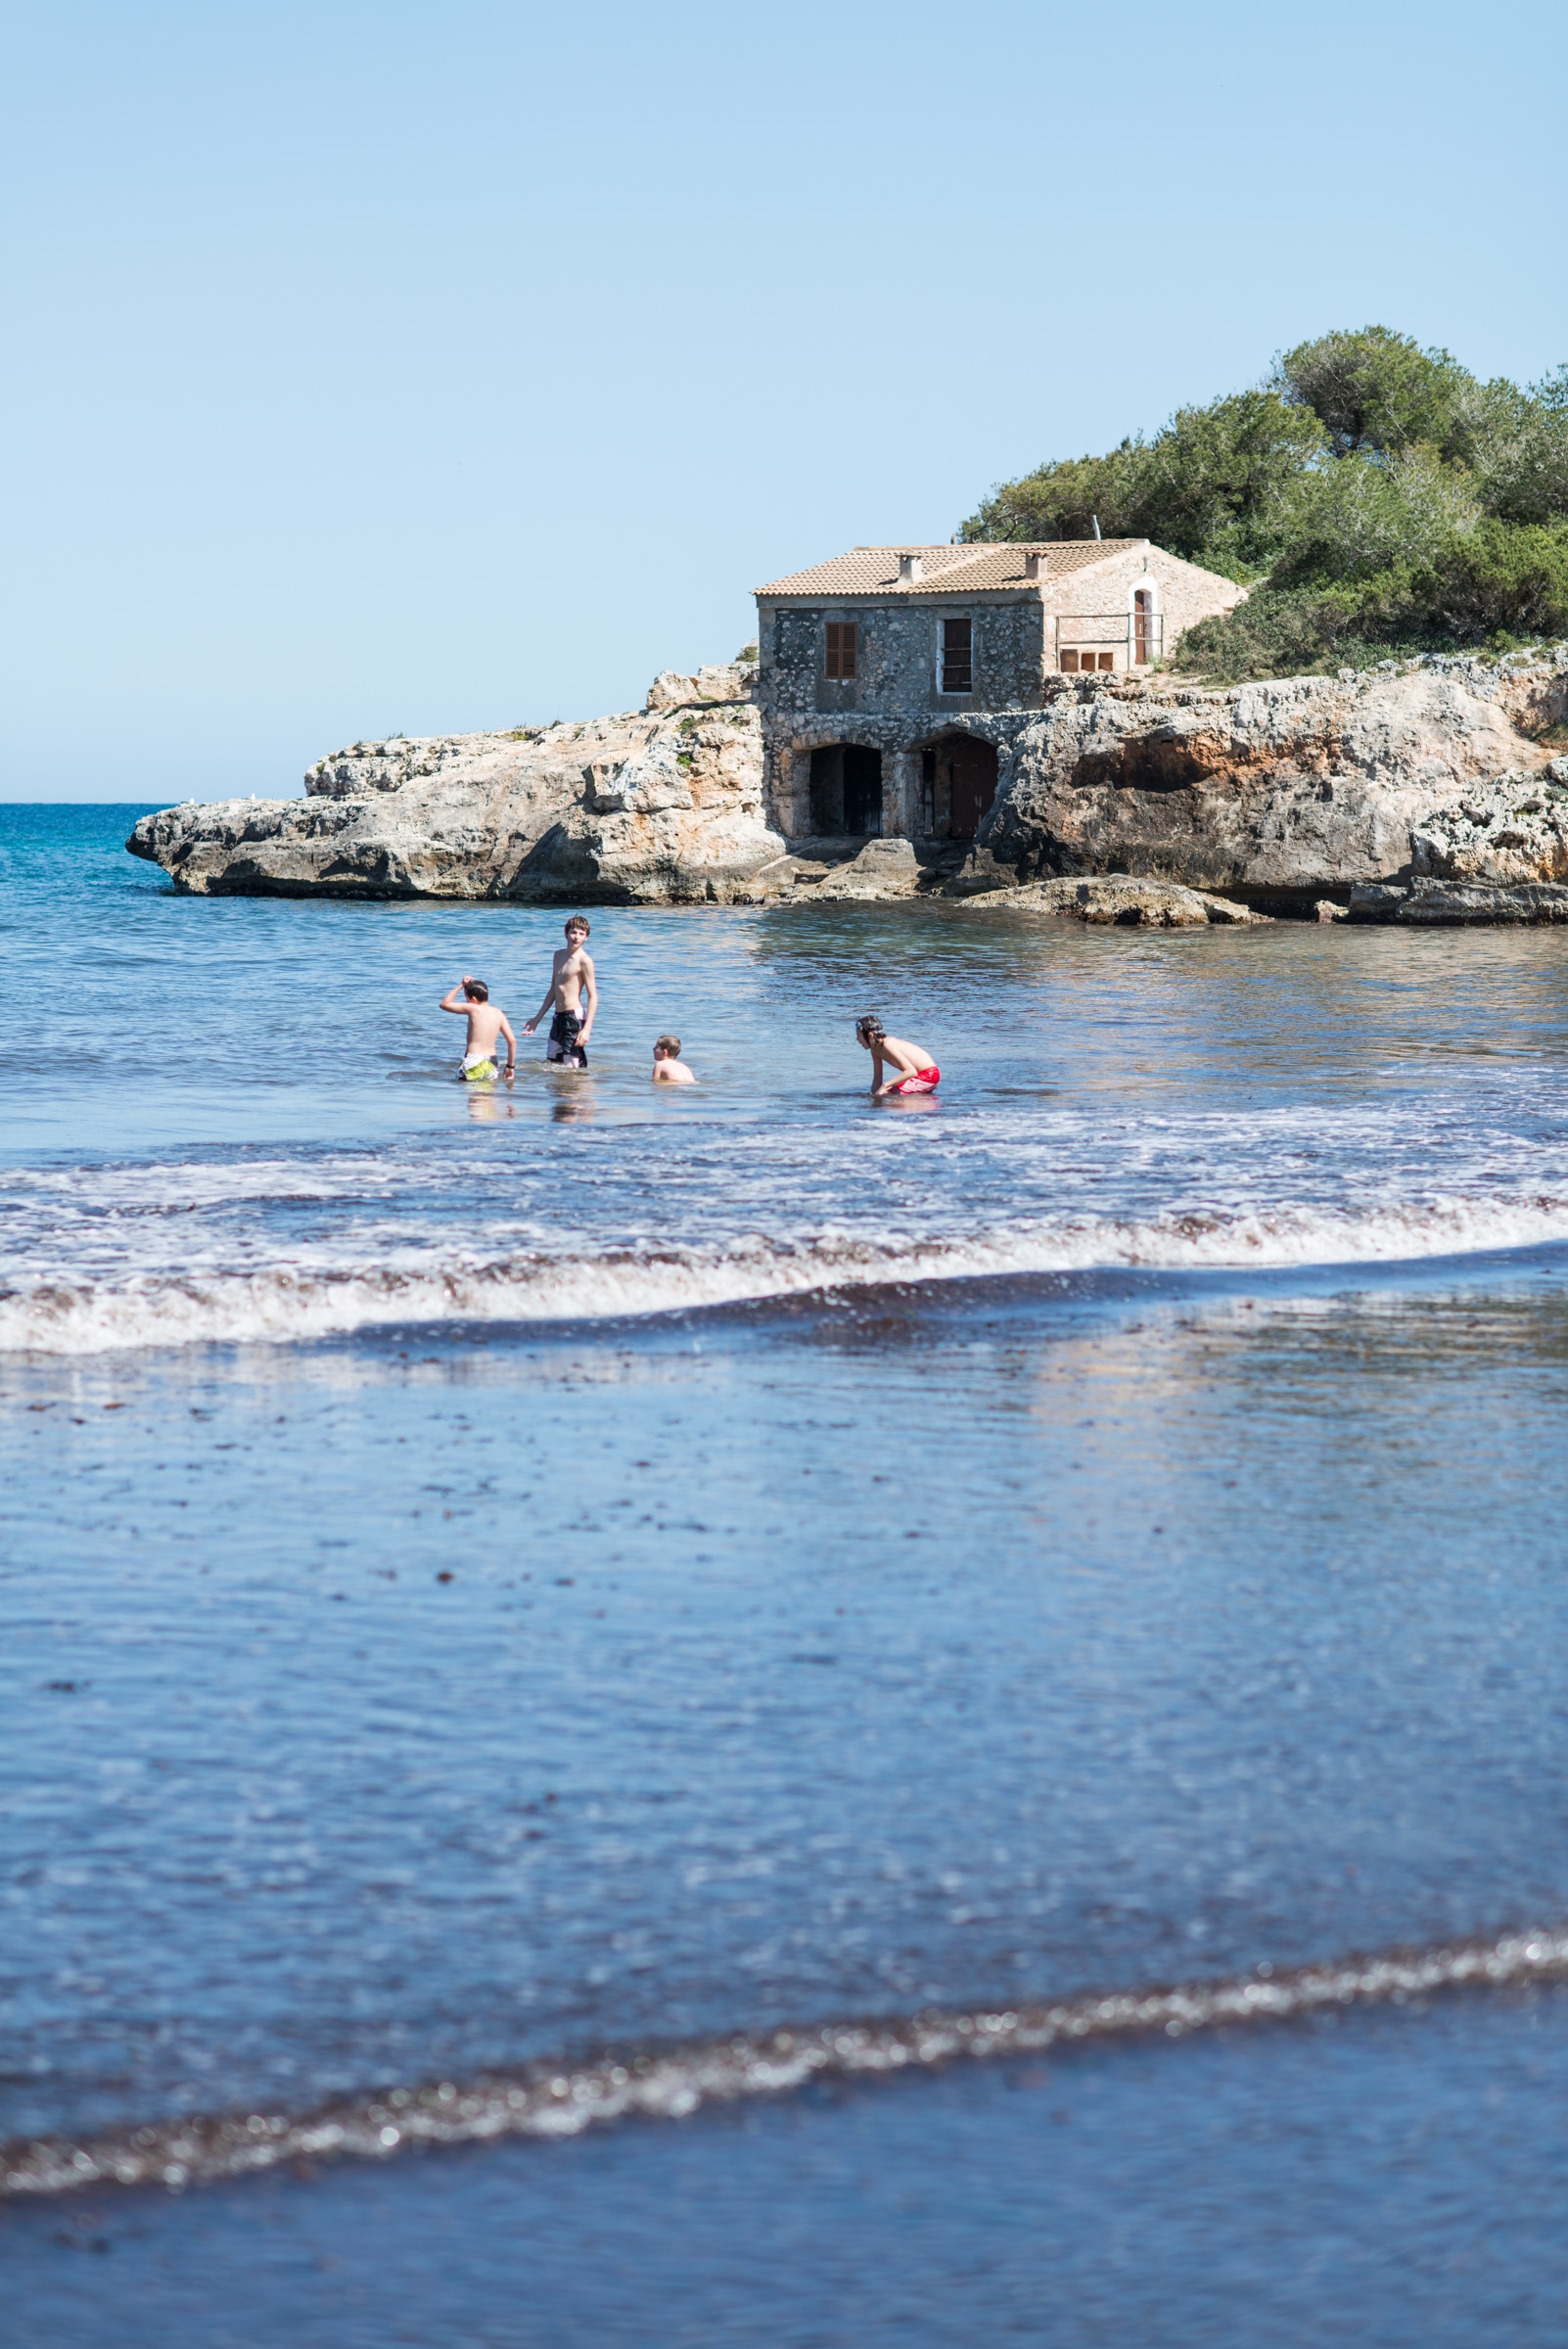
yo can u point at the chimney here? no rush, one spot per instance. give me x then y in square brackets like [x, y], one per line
[1036, 566]
[909, 569]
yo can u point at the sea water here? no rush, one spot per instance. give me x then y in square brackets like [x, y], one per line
[735, 1716]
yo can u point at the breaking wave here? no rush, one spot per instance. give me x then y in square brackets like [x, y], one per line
[564, 2099]
[301, 1300]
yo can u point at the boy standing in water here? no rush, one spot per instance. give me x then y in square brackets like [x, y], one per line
[669, 1068]
[485, 1024]
[913, 1070]
[576, 999]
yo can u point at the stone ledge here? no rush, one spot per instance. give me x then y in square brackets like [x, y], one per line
[1119, 900]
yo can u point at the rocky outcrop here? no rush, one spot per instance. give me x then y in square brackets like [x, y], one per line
[1499, 854]
[1418, 791]
[883, 869]
[1449, 903]
[661, 805]
[1275, 793]
[1513, 828]
[726, 681]
[1118, 899]
[1456, 903]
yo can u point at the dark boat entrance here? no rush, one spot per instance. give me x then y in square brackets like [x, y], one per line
[958, 783]
[845, 790]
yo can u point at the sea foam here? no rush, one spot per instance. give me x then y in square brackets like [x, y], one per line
[315, 1296]
[564, 2098]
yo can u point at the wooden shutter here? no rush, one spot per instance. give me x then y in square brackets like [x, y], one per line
[839, 649]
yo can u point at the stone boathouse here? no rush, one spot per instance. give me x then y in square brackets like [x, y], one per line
[895, 680]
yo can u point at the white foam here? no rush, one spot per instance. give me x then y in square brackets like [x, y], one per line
[558, 2101]
[313, 1296]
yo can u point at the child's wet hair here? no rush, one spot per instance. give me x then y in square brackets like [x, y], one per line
[476, 991]
[578, 921]
[869, 1029]
[669, 1044]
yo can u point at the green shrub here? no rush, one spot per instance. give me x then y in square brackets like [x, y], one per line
[1387, 500]
[1283, 632]
[1352, 517]
[1378, 391]
[1525, 475]
[1505, 579]
[1212, 487]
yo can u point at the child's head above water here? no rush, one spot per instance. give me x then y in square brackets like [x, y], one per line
[476, 991]
[577, 923]
[869, 1029]
[667, 1047]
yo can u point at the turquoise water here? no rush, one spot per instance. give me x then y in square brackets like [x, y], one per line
[498, 1586]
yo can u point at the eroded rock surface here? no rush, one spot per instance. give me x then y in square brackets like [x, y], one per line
[1299, 795]
[1273, 792]
[1118, 899]
[884, 868]
[1457, 903]
[1510, 828]
[661, 805]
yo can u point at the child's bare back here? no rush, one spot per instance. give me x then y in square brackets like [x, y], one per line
[486, 1022]
[669, 1068]
[913, 1069]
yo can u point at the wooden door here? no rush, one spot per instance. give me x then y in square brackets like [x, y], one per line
[1142, 626]
[972, 777]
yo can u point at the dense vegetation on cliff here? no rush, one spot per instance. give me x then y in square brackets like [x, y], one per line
[1384, 499]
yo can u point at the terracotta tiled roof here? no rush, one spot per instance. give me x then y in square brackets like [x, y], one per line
[874, 570]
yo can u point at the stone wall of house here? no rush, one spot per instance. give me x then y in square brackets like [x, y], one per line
[788, 744]
[896, 663]
[891, 704]
[1183, 595]
[894, 702]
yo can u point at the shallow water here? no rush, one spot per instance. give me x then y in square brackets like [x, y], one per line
[500, 1585]
[1394, 2178]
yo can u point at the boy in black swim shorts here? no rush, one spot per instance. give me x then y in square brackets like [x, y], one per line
[572, 1000]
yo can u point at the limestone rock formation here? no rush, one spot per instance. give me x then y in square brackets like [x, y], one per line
[1451, 903]
[1498, 854]
[725, 681]
[1118, 899]
[1419, 790]
[1511, 828]
[663, 805]
[884, 868]
[1276, 792]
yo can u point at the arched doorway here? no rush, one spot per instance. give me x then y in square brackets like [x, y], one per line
[958, 783]
[845, 790]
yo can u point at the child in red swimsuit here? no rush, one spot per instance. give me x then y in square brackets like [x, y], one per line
[912, 1070]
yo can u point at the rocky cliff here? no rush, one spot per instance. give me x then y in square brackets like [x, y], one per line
[660, 805]
[1426, 789]
[1276, 793]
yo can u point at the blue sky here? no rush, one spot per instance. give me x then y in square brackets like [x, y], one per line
[404, 367]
